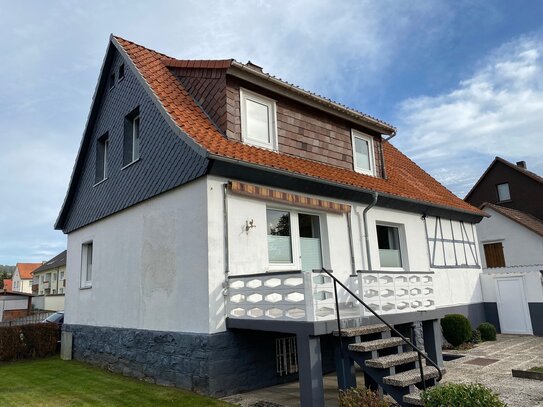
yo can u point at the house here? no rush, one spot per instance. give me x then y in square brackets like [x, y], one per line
[8, 284]
[204, 195]
[49, 283]
[511, 241]
[22, 277]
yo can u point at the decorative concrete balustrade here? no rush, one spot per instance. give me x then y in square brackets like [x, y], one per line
[302, 296]
[291, 296]
[397, 292]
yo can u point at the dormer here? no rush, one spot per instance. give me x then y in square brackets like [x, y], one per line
[257, 109]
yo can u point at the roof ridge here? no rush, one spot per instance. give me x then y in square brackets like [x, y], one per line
[139, 45]
[522, 170]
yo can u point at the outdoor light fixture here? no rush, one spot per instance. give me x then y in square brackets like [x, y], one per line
[249, 224]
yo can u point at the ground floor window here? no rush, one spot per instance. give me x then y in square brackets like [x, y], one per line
[388, 238]
[294, 240]
[286, 356]
[86, 264]
[494, 255]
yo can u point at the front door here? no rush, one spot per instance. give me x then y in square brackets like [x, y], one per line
[310, 242]
[512, 306]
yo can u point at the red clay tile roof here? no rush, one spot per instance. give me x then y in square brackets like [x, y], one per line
[8, 284]
[405, 178]
[26, 269]
[524, 219]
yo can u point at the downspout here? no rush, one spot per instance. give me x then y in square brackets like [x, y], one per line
[351, 248]
[383, 167]
[367, 238]
[225, 243]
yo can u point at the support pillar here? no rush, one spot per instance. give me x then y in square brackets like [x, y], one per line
[310, 371]
[432, 340]
[345, 369]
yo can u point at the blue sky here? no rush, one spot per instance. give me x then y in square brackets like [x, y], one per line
[462, 81]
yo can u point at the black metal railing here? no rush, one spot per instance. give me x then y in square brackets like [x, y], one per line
[420, 353]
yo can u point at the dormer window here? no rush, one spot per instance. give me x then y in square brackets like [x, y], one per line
[362, 152]
[258, 124]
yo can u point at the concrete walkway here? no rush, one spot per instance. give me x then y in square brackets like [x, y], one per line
[489, 363]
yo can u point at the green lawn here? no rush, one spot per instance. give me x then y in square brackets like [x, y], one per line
[55, 383]
[537, 369]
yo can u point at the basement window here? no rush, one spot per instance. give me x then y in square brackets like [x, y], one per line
[286, 356]
[258, 123]
[362, 152]
[131, 150]
[503, 192]
[102, 150]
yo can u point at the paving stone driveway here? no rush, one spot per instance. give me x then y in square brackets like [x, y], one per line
[510, 352]
[489, 363]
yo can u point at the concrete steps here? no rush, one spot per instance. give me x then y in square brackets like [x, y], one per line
[392, 360]
[413, 399]
[362, 330]
[410, 377]
[377, 344]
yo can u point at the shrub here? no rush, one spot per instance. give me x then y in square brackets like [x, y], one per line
[475, 336]
[28, 341]
[461, 395]
[357, 397]
[488, 331]
[456, 329]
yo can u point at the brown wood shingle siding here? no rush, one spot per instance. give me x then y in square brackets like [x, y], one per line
[301, 130]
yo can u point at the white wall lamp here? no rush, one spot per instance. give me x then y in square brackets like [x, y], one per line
[249, 224]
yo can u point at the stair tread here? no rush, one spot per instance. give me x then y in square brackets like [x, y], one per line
[376, 344]
[410, 377]
[413, 398]
[392, 360]
[363, 330]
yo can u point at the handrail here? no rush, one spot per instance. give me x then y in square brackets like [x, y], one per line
[407, 341]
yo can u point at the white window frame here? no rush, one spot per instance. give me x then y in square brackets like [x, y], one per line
[245, 94]
[403, 245]
[508, 192]
[84, 282]
[134, 158]
[366, 137]
[296, 263]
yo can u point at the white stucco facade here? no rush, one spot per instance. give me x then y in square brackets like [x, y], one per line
[521, 246]
[21, 285]
[162, 264]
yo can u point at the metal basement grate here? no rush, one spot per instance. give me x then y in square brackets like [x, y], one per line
[286, 356]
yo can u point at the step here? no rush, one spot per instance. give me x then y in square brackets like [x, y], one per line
[410, 377]
[413, 399]
[363, 330]
[377, 344]
[392, 360]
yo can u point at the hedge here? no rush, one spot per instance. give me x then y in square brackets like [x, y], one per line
[456, 329]
[28, 341]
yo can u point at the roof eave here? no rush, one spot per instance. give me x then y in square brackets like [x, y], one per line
[293, 92]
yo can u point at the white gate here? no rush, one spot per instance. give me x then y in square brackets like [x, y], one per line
[512, 306]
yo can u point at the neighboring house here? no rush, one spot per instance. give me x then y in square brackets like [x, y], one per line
[511, 241]
[8, 284]
[22, 277]
[203, 196]
[49, 284]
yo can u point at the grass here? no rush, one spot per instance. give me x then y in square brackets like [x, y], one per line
[53, 382]
[537, 369]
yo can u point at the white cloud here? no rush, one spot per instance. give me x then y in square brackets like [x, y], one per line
[497, 111]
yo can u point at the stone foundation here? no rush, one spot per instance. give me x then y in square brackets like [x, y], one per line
[217, 365]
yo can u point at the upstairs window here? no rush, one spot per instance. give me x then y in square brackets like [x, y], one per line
[362, 152]
[258, 124]
[503, 192]
[102, 147]
[388, 238]
[131, 151]
[86, 264]
[121, 72]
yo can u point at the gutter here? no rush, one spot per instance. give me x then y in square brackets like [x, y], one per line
[366, 233]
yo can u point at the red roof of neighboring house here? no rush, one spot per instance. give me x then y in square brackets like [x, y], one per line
[8, 284]
[26, 269]
[524, 219]
[404, 178]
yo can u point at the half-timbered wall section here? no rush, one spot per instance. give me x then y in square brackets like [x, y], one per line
[451, 243]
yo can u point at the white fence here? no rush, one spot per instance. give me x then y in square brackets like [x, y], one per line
[302, 296]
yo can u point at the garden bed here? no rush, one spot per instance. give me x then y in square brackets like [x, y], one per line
[533, 374]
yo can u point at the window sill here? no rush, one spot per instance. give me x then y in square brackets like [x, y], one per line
[100, 182]
[87, 287]
[506, 201]
[130, 164]
[365, 172]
